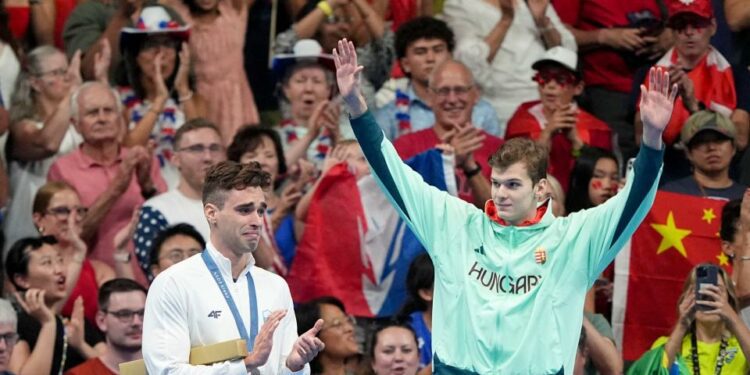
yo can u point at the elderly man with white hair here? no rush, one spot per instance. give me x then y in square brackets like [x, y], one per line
[111, 179]
[8, 334]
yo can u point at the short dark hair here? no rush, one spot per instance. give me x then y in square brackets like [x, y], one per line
[423, 27]
[191, 125]
[391, 324]
[730, 215]
[183, 229]
[229, 175]
[17, 260]
[530, 153]
[307, 314]
[249, 137]
[117, 286]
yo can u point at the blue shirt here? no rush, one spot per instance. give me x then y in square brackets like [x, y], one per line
[424, 338]
[421, 116]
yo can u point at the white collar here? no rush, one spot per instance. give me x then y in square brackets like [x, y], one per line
[224, 264]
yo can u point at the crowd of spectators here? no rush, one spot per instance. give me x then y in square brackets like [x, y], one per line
[112, 112]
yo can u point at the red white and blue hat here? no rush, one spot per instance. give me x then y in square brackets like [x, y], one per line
[155, 19]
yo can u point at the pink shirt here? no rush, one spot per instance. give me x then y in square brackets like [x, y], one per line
[91, 179]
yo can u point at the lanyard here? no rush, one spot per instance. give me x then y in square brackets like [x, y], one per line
[214, 270]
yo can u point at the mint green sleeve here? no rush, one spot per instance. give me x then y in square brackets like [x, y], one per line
[603, 230]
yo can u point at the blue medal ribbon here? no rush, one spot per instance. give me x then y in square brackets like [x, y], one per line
[219, 279]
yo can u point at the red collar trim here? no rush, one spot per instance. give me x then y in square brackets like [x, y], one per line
[491, 211]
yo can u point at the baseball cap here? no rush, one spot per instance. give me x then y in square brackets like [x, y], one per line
[559, 55]
[700, 8]
[707, 120]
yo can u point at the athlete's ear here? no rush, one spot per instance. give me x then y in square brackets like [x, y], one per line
[210, 210]
[541, 189]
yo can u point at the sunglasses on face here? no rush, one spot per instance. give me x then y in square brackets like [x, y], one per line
[682, 23]
[561, 77]
[63, 212]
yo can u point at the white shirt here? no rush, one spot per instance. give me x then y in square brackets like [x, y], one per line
[181, 313]
[177, 208]
[506, 81]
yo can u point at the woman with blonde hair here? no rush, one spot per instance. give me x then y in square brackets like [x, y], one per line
[709, 337]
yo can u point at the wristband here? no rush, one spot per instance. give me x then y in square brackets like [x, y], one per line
[745, 257]
[326, 8]
[472, 172]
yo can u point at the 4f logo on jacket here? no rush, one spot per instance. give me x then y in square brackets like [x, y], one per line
[214, 314]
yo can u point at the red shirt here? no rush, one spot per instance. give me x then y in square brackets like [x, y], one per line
[713, 83]
[18, 21]
[85, 287]
[91, 179]
[63, 8]
[93, 366]
[605, 67]
[529, 120]
[411, 144]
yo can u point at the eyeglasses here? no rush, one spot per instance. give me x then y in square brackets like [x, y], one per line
[178, 255]
[198, 149]
[336, 19]
[62, 212]
[126, 316]
[561, 77]
[339, 323]
[443, 92]
[681, 23]
[10, 338]
[59, 72]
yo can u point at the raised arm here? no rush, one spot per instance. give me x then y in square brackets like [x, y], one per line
[433, 215]
[612, 223]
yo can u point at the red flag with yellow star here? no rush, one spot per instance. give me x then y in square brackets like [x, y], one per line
[678, 233]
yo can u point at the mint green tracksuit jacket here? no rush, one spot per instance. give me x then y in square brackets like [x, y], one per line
[495, 309]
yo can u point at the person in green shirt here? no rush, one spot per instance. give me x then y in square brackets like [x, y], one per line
[712, 341]
[510, 280]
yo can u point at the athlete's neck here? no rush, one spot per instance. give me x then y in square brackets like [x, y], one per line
[238, 260]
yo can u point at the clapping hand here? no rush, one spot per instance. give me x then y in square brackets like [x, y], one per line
[657, 102]
[305, 348]
[264, 341]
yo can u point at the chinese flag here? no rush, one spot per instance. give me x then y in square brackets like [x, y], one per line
[678, 233]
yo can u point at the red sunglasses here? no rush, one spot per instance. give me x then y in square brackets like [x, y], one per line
[562, 78]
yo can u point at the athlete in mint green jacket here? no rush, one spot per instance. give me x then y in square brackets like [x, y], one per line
[508, 298]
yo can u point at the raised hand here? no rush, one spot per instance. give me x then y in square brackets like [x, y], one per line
[745, 214]
[264, 341]
[538, 9]
[657, 102]
[348, 76]
[467, 140]
[74, 326]
[305, 348]
[124, 235]
[32, 302]
[162, 92]
[74, 71]
[102, 61]
[181, 78]
[687, 309]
